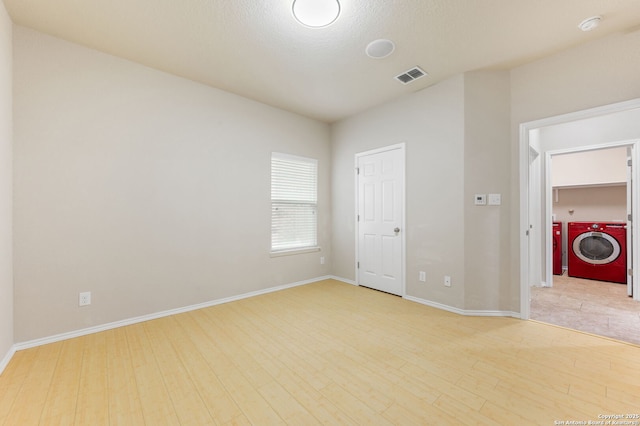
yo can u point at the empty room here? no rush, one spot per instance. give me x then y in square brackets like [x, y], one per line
[307, 212]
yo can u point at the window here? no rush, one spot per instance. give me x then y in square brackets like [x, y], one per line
[294, 202]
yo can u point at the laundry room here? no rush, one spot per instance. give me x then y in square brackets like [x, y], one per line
[581, 194]
[588, 187]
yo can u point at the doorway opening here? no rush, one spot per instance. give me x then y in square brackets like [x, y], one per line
[587, 283]
[589, 202]
[545, 142]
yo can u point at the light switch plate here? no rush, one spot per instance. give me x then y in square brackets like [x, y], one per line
[495, 199]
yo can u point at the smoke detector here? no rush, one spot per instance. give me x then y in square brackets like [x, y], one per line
[590, 23]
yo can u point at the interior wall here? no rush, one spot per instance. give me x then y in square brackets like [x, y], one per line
[97, 147]
[487, 171]
[431, 123]
[150, 191]
[6, 197]
[616, 127]
[591, 75]
[595, 167]
[588, 204]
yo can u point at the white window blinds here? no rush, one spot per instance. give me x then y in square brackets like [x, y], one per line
[294, 202]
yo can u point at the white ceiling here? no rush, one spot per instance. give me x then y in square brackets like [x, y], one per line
[255, 48]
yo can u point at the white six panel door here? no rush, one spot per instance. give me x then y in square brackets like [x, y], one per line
[380, 211]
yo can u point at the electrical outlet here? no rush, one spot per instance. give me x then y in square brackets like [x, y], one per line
[84, 299]
[447, 281]
[422, 276]
[322, 260]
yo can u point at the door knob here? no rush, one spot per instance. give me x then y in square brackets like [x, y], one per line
[396, 230]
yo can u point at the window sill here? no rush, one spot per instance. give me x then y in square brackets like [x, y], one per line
[281, 253]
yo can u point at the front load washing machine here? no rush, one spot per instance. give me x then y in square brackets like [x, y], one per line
[597, 251]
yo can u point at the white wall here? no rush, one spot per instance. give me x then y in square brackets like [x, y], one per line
[597, 167]
[114, 165]
[150, 191]
[487, 171]
[457, 145]
[6, 161]
[598, 73]
[591, 204]
[431, 123]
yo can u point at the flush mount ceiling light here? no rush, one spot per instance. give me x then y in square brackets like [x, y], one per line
[380, 48]
[590, 23]
[316, 13]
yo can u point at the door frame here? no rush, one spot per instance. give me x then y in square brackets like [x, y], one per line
[525, 130]
[402, 147]
[535, 239]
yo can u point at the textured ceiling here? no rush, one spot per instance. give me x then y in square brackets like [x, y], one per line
[256, 49]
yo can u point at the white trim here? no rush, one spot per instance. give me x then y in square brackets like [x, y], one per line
[524, 130]
[291, 252]
[594, 147]
[402, 147]
[7, 358]
[635, 229]
[524, 221]
[143, 318]
[285, 156]
[344, 280]
[116, 324]
[591, 185]
[471, 313]
[548, 230]
[583, 114]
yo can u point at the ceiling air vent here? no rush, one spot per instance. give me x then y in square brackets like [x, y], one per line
[410, 75]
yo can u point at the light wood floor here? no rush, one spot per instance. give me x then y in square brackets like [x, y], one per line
[326, 353]
[593, 306]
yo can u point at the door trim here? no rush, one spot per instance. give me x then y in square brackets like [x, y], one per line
[402, 147]
[524, 132]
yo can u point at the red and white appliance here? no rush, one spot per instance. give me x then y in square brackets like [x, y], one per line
[597, 251]
[557, 248]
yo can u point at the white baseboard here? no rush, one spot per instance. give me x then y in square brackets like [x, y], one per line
[344, 280]
[156, 315]
[143, 318]
[476, 313]
[5, 361]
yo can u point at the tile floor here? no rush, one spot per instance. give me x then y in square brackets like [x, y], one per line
[593, 306]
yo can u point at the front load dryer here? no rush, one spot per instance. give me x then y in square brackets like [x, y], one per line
[597, 251]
